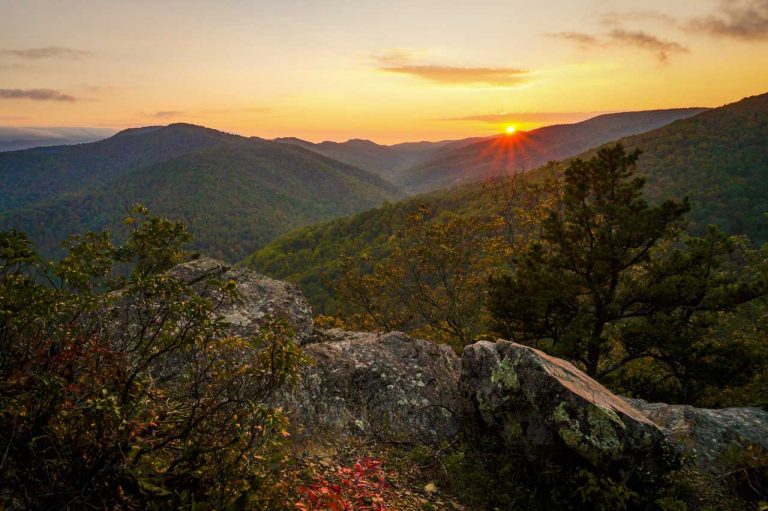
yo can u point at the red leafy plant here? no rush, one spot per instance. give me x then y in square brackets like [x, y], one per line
[359, 488]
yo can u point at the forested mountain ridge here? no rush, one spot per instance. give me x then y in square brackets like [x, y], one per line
[235, 193]
[505, 154]
[383, 160]
[718, 158]
[419, 167]
[45, 173]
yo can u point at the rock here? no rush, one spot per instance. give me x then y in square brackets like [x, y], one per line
[551, 411]
[260, 296]
[382, 386]
[705, 436]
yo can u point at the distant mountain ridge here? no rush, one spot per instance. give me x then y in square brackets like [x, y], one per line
[718, 158]
[419, 167]
[15, 139]
[507, 154]
[385, 160]
[235, 193]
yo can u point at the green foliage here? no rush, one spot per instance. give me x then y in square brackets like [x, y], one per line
[485, 480]
[132, 398]
[608, 286]
[431, 285]
[718, 159]
[235, 194]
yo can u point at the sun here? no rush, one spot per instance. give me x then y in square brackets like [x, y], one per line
[511, 130]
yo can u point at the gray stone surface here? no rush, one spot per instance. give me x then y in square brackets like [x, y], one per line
[384, 386]
[260, 296]
[396, 388]
[551, 411]
[705, 435]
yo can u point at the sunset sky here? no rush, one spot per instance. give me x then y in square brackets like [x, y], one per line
[389, 71]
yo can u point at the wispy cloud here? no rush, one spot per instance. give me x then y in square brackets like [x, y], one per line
[739, 19]
[580, 38]
[526, 117]
[49, 52]
[493, 76]
[615, 18]
[645, 41]
[36, 95]
[167, 114]
[396, 56]
[660, 48]
[405, 61]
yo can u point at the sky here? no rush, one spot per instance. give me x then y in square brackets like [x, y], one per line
[389, 71]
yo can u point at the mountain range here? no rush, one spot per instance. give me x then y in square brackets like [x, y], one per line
[238, 194]
[425, 166]
[235, 193]
[14, 139]
[718, 158]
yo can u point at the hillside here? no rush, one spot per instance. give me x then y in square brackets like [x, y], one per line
[385, 161]
[235, 193]
[505, 154]
[718, 158]
[15, 139]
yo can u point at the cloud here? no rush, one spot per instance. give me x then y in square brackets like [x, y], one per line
[494, 76]
[580, 38]
[646, 41]
[527, 117]
[739, 19]
[36, 95]
[167, 114]
[395, 56]
[50, 52]
[622, 37]
[614, 18]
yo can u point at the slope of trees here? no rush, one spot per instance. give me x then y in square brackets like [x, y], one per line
[717, 159]
[581, 265]
[235, 194]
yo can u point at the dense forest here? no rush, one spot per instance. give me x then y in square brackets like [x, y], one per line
[718, 159]
[236, 194]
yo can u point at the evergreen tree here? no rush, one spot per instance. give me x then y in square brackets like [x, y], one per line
[609, 267]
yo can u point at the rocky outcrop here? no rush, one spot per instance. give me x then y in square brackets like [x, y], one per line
[396, 388]
[705, 436]
[385, 386]
[547, 409]
[260, 296]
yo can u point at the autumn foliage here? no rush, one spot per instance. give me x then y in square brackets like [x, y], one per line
[359, 488]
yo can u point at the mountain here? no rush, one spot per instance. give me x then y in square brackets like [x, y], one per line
[235, 193]
[718, 158]
[14, 139]
[385, 161]
[506, 154]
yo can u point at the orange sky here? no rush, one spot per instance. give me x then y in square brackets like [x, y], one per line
[388, 71]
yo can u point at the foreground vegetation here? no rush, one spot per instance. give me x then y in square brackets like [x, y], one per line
[118, 388]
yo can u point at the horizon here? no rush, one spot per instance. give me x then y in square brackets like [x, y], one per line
[505, 130]
[408, 71]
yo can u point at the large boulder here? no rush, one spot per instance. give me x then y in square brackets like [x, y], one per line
[383, 386]
[260, 296]
[550, 411]
[705, 436]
